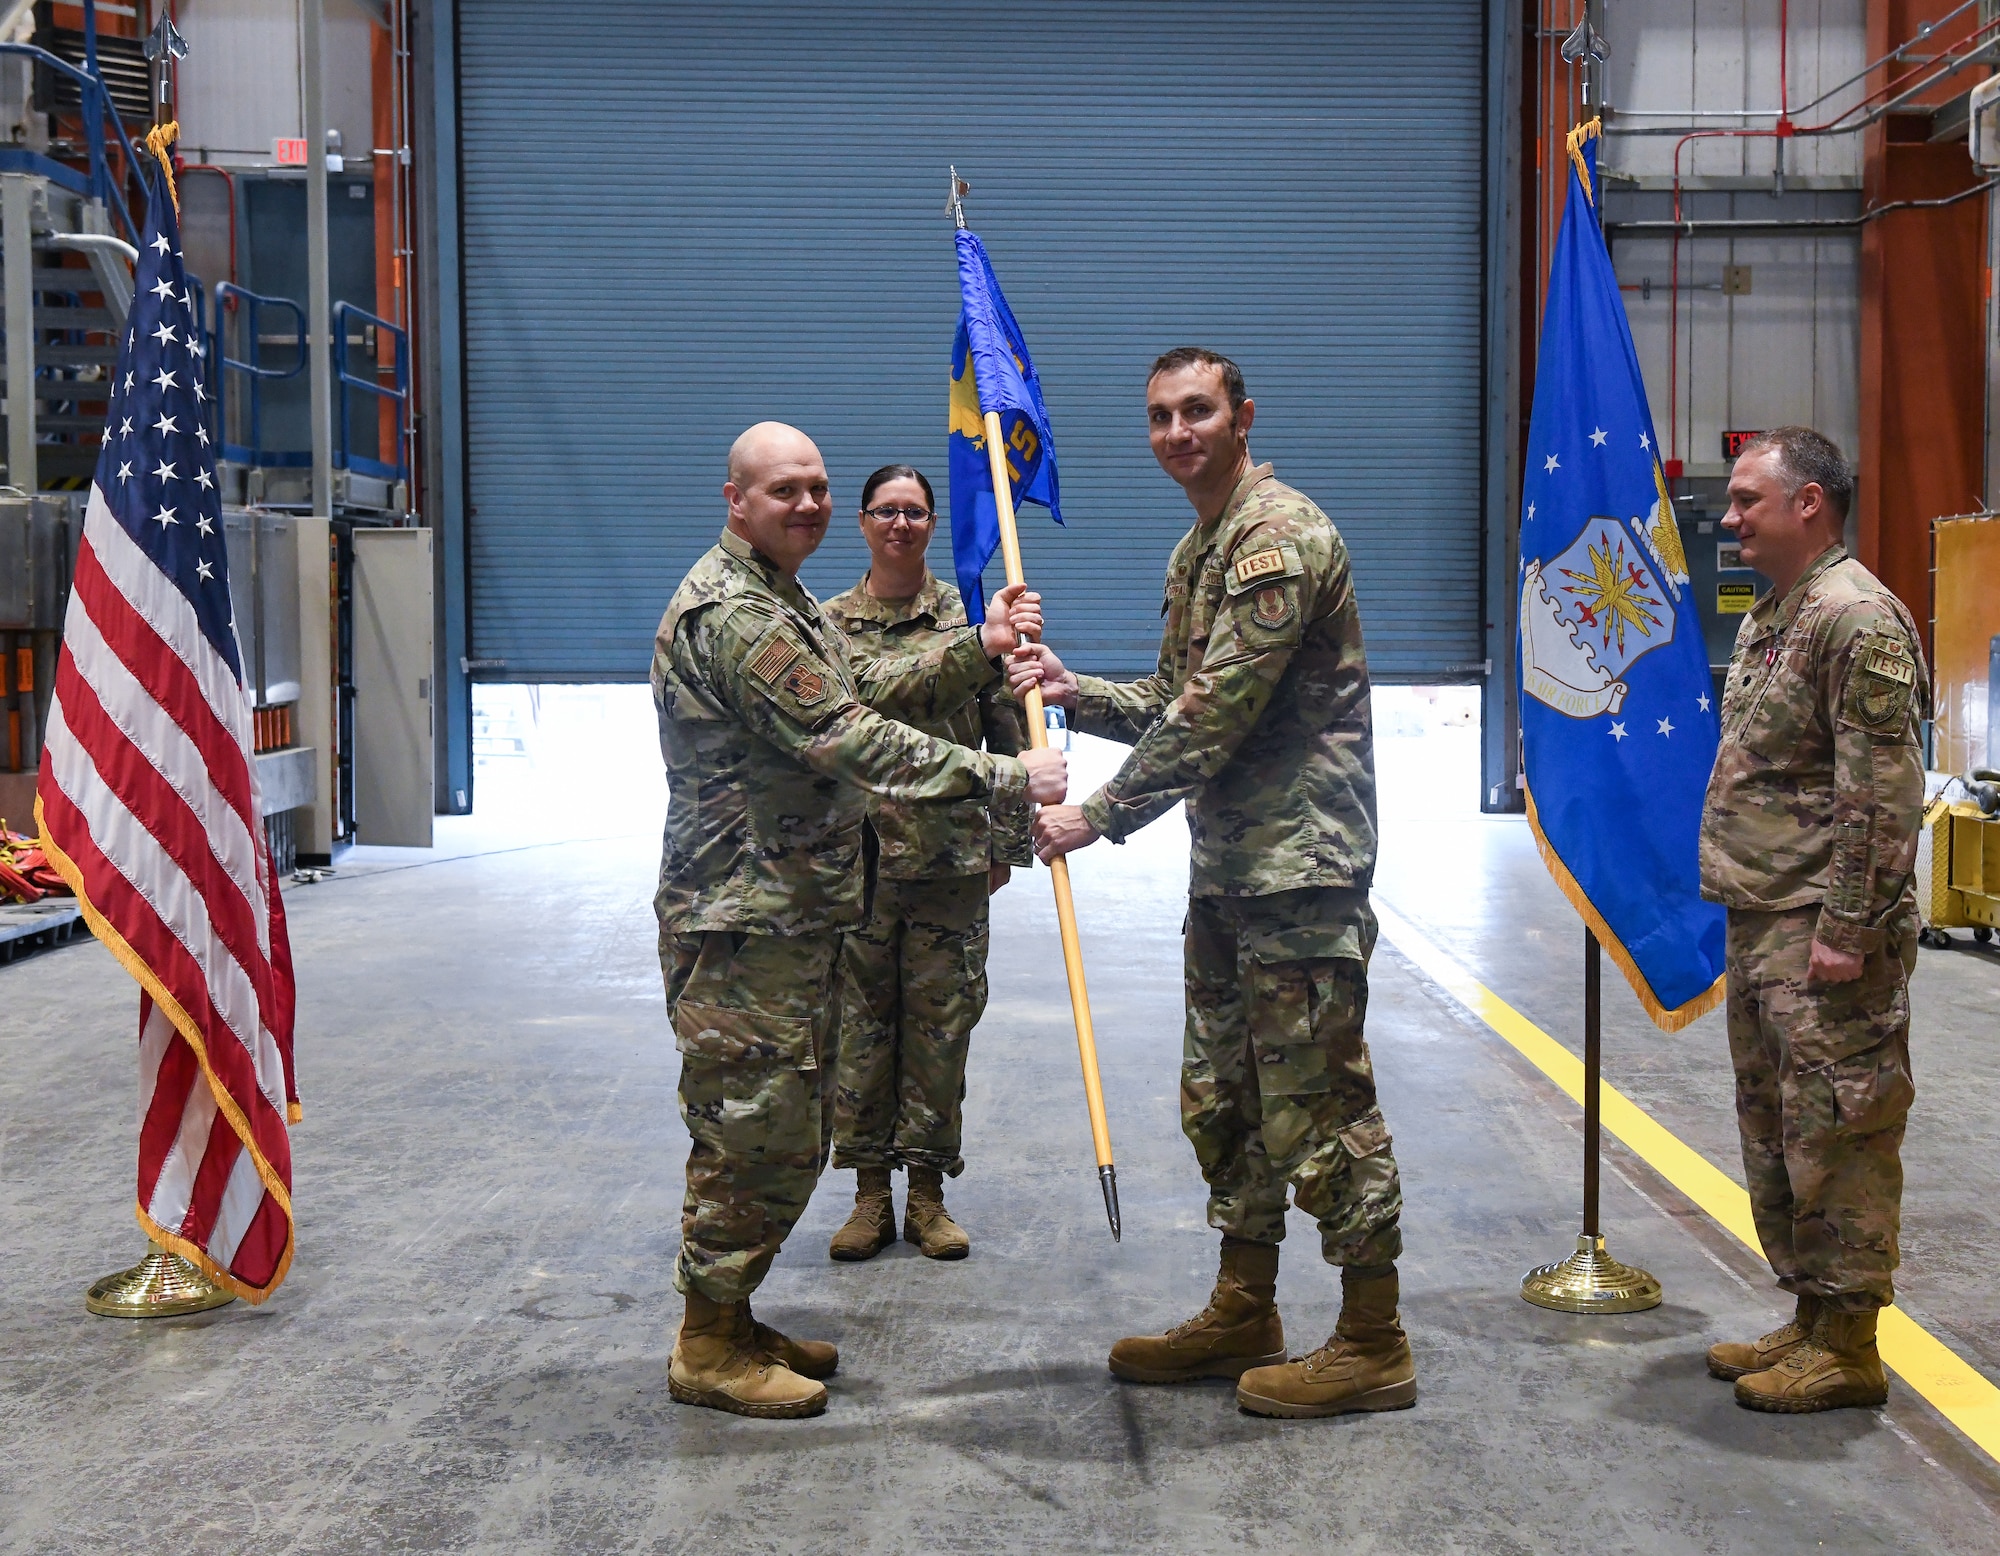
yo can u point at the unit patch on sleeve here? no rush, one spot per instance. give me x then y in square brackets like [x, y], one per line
[1271, 606]
[1882, 684]
[806, 685]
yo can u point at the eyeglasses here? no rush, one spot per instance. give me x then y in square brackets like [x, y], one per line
[890, 515]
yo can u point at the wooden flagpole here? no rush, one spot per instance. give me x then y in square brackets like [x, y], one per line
[1038, 737]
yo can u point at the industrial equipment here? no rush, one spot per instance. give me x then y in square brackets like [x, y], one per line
[1958, 860]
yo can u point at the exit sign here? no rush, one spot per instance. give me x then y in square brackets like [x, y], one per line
[1733, 442]
[289, 151]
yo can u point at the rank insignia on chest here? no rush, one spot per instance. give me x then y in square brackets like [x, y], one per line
[1271, 606]
[806, 685]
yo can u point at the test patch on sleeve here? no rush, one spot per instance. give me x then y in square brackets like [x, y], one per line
[1263, 565]
[1279, 561]
[1887, 661]
[1880, 690]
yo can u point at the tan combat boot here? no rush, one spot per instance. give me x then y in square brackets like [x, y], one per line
[808, 1358]
[925, 1220]
[1365, 1366]
[717, 1363]
[872, 1227]
[1837, 1368]
[1239, 1328]
[1732, 1359]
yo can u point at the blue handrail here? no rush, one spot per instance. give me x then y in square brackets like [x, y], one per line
[397, 469]
[253, 452]
[96, 107]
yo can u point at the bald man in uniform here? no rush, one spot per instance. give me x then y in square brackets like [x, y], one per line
[771, 751]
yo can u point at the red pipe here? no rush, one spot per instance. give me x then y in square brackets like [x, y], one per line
[1904, 83]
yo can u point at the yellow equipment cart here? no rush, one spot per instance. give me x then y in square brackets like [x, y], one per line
[1958, 861]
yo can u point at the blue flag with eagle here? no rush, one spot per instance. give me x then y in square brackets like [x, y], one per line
[991, 371]
[1618, 719]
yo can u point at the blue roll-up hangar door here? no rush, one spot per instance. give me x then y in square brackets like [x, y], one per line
[678, 220]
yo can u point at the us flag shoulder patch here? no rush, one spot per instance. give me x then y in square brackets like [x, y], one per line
[773, 660]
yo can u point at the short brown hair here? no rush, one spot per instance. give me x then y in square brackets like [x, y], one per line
[1201, 356]
[1808, 456]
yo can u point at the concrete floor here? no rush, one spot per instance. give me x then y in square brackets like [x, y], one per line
[470, 1352]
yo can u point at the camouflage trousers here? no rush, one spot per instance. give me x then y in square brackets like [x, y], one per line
[915, 989]
[754, 1017]
[1276, 1084]
[1822, 1090]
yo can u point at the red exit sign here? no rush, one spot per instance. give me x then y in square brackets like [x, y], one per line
[1733, 443]
[289, 151]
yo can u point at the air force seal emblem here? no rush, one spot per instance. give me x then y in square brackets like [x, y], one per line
[1587, 617]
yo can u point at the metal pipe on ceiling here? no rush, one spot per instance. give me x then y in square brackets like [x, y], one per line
[1731, 225]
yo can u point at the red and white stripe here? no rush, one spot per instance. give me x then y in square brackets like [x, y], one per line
[148, 798]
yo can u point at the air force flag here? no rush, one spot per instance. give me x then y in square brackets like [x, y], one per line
[1618, 723]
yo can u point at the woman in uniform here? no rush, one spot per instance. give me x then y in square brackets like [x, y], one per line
[916, 970]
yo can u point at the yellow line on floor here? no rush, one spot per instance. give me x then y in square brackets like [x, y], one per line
[1956, 1388]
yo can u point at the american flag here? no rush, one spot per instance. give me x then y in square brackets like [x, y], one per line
[148, 803]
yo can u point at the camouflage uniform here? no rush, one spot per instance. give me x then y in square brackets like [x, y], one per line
[771, 747]
[1810, 831]
[1258, 717]
[916, 970]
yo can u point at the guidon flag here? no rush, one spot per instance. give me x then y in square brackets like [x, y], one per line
[1618, 720]
[148, 798]
[991, 371]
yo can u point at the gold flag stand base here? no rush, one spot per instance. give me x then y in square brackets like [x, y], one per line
[1591, 1281]
[161, 1285]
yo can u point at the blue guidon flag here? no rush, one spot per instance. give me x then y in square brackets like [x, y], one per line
[991, 371]
[1618, 719]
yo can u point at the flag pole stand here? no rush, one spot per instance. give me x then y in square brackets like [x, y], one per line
[161, 1285]
[1590, 1280]
[1038, 737]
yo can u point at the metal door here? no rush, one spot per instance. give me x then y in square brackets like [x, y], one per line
[679, 219]
[393, 725]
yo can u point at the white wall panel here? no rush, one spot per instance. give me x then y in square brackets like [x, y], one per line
[1788, 350]
[1716, 55]
[240, 84]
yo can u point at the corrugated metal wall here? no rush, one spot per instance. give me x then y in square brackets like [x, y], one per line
[680, 220]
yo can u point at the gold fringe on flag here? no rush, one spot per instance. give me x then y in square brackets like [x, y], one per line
[1663, 1018]
[1589, 130]
[158, 139]
[143, 974]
